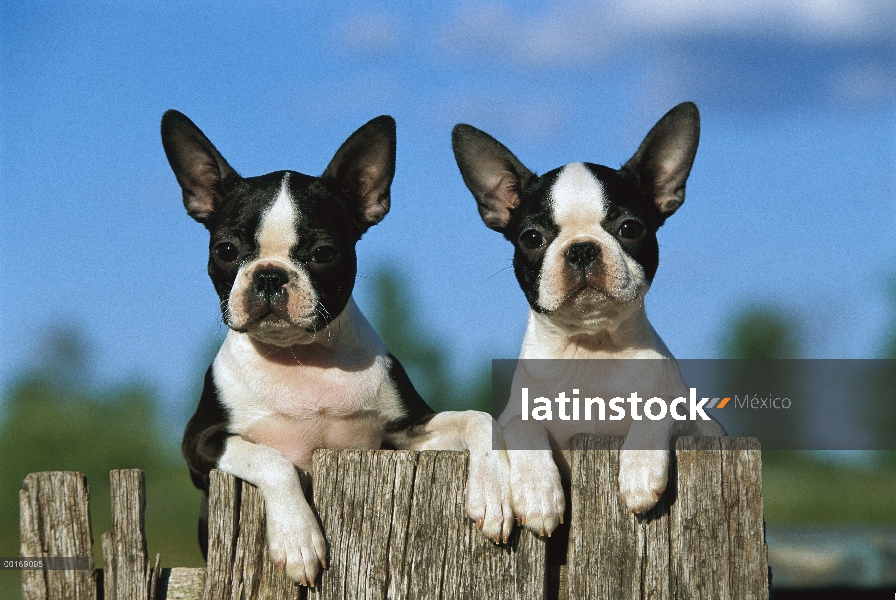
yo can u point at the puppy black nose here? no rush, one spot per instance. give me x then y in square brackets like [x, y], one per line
[582, 255]
[269, 281]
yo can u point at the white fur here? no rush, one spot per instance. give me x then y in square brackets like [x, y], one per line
[321, 399]
[294, 538]
[275, 237]
[336, 392]
[277, 232]
[596, 315]
[578, 206]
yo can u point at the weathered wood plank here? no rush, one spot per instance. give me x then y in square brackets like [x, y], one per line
[55, 521]
[612, 554]
[434, 532]
[355, 492]
[742, 491]
[239, 567]
[180, 583]
[254, 575]
[704, 539]
[223, 529]
[397, 528]
[127, 574]
[699, 544]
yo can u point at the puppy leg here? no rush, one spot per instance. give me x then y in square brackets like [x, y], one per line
[295, 541]
[488, 485]
[644, 465]
[538, 499]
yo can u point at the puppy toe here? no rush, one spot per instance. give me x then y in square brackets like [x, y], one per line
[488, 495]
[643, 475]
[296, 544]
[538, 499]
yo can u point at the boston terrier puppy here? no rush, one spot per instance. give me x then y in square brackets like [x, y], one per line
[301, 368]
[585, 254]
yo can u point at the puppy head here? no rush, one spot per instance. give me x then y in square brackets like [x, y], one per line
[584, 234]
[282, 245]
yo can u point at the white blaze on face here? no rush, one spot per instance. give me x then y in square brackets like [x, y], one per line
[277, 232]
[275, 238]
[579, 206]
[577, 199]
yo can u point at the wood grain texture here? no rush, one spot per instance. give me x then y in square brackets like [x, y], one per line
[702, 556]
[223, 528]
[718, 544]
[127, 574]
[397, 528]
[55, 521]
[180, 583]
[238, 564]
[742, 490]
[704, 539]
[612, 554]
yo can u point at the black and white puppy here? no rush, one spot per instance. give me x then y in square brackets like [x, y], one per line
[301, 368]
[585, 254]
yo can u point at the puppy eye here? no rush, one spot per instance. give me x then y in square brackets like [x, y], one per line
[531, 239]
[323, 254]
[630, 229]
[227, 252]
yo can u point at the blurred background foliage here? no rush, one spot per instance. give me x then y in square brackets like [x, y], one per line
[56, 416]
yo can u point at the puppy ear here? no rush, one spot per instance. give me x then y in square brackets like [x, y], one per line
[494, 175]
[203, 174]
[663, 162]
[364, 167]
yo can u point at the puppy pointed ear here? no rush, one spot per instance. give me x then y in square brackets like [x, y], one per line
[364, 166]
[494, 175]
[203, 174]
[663, 162]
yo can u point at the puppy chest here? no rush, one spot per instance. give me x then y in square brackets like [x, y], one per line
[298, 438]
[298, 410]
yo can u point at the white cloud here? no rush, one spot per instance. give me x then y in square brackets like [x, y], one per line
[370, 32]
[852, 20]
[522, 119]
[581, 30]
[863, 84]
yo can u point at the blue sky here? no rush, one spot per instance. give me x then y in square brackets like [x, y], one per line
[791, 202]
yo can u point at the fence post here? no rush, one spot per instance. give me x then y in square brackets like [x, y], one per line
[238, 563]
[397, 529]
[704, 539]
[55, 522]
[126, 571]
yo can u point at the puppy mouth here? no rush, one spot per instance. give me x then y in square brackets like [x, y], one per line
[590, 296]
[274, 319]
[585, 291]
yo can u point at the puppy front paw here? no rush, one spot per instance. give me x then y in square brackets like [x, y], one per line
[643, 475]
[538, 499]
[488, 494]
[295, 542]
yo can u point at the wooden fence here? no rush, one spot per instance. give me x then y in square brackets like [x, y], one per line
[396, 527]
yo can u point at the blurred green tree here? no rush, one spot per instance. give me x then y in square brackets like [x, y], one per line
[423, 356]
[56, 418]
[762, 332]
[760, 343]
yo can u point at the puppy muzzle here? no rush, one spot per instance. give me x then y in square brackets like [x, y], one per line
[271, 295]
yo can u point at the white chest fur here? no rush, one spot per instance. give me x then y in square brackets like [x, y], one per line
[603, 363]
[333, 394]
